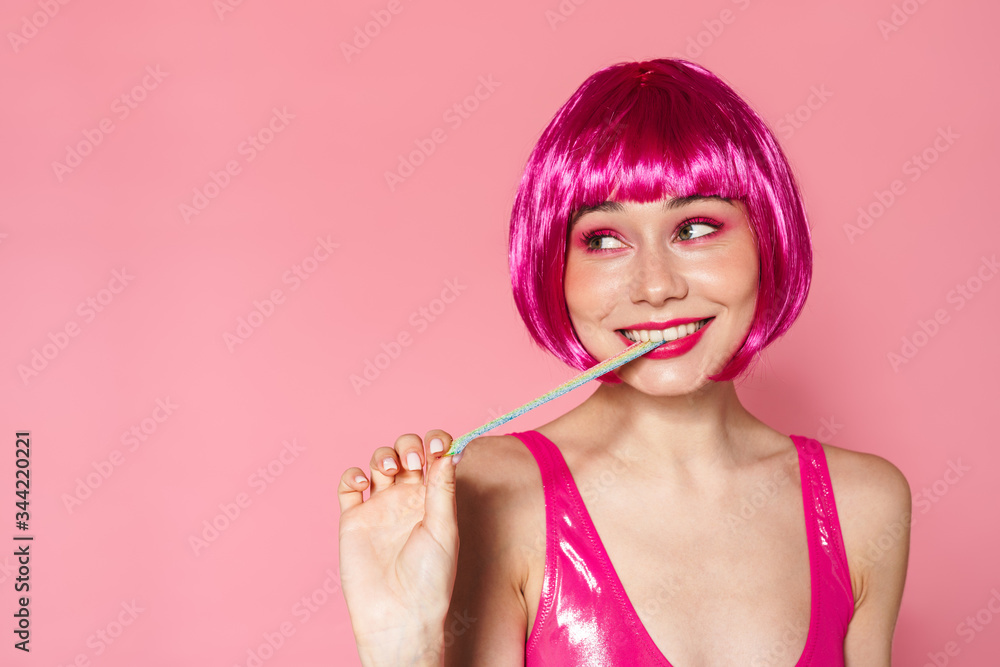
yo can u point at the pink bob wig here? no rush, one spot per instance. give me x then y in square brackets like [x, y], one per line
[645, 131]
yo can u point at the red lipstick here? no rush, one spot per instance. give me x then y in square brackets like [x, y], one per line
[674, 348]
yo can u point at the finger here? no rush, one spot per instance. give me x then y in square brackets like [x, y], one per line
[410, 451]
[437, 442]
[384, 467]
[352, 485]
[440, 509]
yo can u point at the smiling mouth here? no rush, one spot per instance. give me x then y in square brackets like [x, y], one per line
[668, 335]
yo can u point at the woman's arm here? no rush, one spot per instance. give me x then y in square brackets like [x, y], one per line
[487, 620]
[875, 498]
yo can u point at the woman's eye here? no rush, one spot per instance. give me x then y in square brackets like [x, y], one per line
[601, 241]
[693, 230]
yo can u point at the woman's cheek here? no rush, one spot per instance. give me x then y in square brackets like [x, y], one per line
[590, 297]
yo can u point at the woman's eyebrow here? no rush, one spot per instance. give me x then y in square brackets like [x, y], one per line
[604, 206]
[618, 207]
[678, 202]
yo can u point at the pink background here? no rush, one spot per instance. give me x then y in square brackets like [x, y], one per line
[878, 98]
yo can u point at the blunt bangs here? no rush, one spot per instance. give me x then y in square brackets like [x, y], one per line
[641, 132]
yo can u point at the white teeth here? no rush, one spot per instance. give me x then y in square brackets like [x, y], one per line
[671, 334]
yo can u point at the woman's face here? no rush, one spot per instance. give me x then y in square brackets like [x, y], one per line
[640, 268]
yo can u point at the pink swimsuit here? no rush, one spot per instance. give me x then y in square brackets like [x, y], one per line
[584, 616]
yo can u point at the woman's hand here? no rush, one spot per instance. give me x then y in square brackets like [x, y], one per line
[399, 550]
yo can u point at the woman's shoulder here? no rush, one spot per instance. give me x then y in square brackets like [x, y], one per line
[874, 507]
[867, 482]
[498, 484]
[499, 462]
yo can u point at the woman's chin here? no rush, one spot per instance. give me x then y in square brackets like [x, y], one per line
[666, 383]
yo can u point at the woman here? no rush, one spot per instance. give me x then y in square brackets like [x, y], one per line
[659, 519]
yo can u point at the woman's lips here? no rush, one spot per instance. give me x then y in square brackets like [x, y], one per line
[673, 348]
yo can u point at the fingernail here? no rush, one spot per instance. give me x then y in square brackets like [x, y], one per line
[436, 445]
[360, 479]
[413, 461]
[389, 464]
[457, 457]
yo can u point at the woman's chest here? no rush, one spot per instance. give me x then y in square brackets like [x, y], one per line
[708, 586]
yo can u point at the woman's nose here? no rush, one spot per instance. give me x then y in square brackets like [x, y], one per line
[656, 278]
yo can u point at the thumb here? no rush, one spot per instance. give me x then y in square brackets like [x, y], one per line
[440, 509]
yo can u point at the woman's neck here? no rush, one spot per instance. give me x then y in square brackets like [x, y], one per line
[700, 431]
